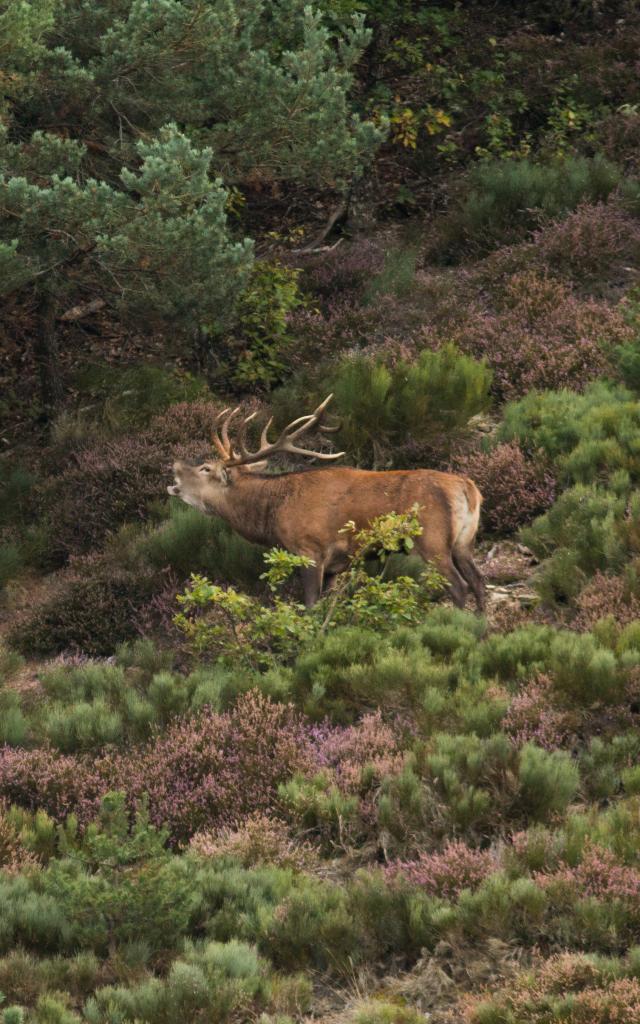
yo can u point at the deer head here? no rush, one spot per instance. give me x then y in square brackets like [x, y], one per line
[200, 485]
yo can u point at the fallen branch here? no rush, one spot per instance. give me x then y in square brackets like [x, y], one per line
[322, 248]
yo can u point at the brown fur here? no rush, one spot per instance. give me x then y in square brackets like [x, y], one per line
[304, 513]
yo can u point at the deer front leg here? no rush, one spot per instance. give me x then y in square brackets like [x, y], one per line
[312, 584]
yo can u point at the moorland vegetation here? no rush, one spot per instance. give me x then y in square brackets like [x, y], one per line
[215, 805]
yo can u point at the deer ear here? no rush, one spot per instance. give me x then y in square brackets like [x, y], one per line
[256, 467]
[223, 476]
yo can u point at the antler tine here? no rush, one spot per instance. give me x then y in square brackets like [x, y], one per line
[244, 454]
[264, 436]
[216, 437]
[284, 442]
[225, 429]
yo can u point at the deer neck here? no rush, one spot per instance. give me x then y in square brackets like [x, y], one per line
[249, 505]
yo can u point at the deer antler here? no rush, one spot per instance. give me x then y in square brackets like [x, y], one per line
[224, 446]
[284, 443]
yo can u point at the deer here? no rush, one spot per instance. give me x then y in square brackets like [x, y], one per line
[305, 511]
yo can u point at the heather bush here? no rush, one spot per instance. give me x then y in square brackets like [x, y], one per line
[514, 488]
[213, 769]
[349, 268]
[106, 487]
[575, 988]
[608, 596]
[506, 200]
[589, 247]
[532, 716]
[539, 334]
[90, 608]
[446, 873]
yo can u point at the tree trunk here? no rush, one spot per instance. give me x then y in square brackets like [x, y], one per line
[48, 355]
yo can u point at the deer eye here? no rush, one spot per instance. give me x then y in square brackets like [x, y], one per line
[204, 469]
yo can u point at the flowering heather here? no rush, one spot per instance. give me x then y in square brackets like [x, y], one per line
[346, 269]
[541, 335]
[532, 718]
[371, 743]
[570, 987]
[600, 875]
[446, 874]
[205, 771]
[55, 783]
[514, 488]
[14, 857]
[591, 245]
[606, 595]
[214, 769]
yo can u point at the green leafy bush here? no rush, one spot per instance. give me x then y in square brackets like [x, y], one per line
[241, 628]
[254, 354]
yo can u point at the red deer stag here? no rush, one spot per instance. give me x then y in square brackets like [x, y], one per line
[304, 512]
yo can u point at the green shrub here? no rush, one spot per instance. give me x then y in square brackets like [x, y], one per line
[589, 436]
[548, 782]
[429, 400]
[191, 542]
[607, 764]
[254, 353]
[243, 630]
[210, 981]
[589, 528]
[379, 1012]
[397, 276]
[126, 398]
[16, 483]
[516, 655]
[506, 200]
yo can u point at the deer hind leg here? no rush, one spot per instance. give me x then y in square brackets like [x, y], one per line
[468, 569]
[312, 578]
[443, 562]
